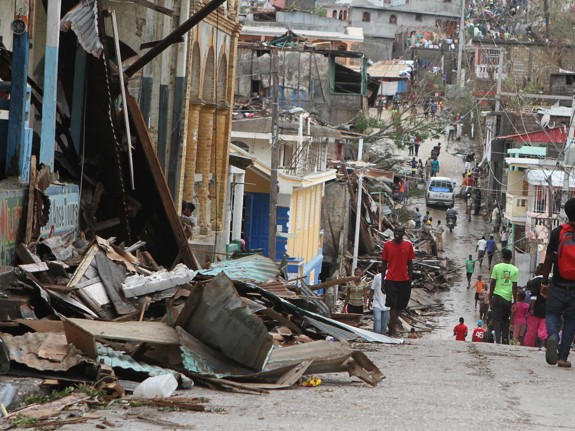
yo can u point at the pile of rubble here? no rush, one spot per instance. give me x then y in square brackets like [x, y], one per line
[105, 315]
[431, 274]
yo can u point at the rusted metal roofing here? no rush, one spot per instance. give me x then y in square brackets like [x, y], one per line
[27, 349]
[278, 288]
[83, 20]
[254, 268]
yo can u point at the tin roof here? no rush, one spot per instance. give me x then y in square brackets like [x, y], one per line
[255, 268]
[390, 69]
[83, 20]
[556, 135]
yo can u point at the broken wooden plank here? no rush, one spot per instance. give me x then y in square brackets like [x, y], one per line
[83, 333]
[34, 267]
[83, 267]
[113, 275]
[162, 191]
[331, 283]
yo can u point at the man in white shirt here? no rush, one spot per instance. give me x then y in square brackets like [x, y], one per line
[480, 248]
[439, 236]
[381, 313]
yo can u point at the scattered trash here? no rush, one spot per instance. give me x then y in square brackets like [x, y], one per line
[311, 382]
[162, 386]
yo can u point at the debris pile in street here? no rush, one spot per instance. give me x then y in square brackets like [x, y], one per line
[431, 273]
[109, 317]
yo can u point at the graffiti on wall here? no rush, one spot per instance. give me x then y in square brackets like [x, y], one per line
[12, 223]
[64, 210]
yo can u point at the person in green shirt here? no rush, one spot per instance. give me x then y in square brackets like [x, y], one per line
[469, 268]
[501, 294]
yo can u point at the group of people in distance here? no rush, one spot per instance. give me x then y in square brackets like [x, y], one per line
[547, 314]
[542, 310]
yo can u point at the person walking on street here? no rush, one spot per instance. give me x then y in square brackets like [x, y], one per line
[356, 293]
[520, 318]
[561, 293]
[426, 217]
[460, 330]
[416, 145]
[397, 271]
[478, 332]
[490, 249]
[496, 217]
[417, 218]
[503, 293]
[380, 310]
[428, 168]
[503, 236]
[483, 301]
[434, 167]
[469, 268]
[480, 248]
[479, 287]
[439, 229]
[379, 108]
[413, 164]
[536, 327]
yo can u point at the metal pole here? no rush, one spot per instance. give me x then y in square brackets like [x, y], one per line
[124, 101]
[499, 81]
[358, 208]
[569, 156]
[274, 158]
[461, 43]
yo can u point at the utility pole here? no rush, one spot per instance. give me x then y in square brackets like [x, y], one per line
[358, 207]
[491, 183]
[569, 156]
[274, 157]
[461, 43]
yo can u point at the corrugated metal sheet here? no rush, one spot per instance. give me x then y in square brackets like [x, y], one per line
[83, 20]
[24, 350]
[369, 336]
[389, 69]
[116, 359]
[250, 268]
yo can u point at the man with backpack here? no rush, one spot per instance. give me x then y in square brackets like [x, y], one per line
[561, 294]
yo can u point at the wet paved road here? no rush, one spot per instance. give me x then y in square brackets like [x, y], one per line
[459, 301]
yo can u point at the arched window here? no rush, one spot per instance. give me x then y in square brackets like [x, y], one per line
[366, 17]
[340, 15]
[334, 14]
[392, 19]
[345, 15]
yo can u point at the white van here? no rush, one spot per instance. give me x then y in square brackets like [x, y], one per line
[440, 191]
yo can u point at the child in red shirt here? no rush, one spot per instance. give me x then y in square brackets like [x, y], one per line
[520, 309]
[478, 332]
[460, 331]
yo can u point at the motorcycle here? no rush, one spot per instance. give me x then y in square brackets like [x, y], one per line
[450, 223]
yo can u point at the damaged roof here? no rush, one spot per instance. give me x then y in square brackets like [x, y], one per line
[255, 268]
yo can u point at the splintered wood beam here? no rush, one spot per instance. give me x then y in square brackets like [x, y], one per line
[154, 6]
[173, 37]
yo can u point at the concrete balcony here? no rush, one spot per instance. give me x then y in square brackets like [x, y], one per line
[516, 208]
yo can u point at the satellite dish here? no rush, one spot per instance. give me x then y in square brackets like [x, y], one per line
[545, 120]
